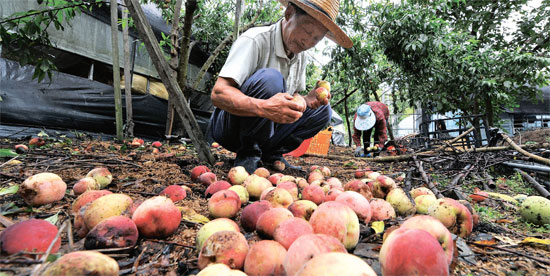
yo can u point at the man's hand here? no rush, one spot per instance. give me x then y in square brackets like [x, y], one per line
[281, 109]
[359, 152]
[313, 102]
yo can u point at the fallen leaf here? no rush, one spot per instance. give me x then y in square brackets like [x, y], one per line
[503, 221]
[536, 240]
[486, 242]
[189, 214]
[504, 197]
[9, 190]
[378, 226]
[507, 240]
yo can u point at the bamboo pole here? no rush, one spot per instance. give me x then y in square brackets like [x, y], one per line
[524, 152]
[542, 191]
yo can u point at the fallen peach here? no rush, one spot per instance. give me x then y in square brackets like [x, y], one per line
[174, 192]
[102, 176]
[274, 178]
[36, 142]
[85, 184]
[412, 251]
[220, 269]
[156, 144]
[381, 210]
[255, 185]
[83, 263]
[42, 188]
[251, 213]
[334, 193]
[33, 235]
[338, 220]
[105, 207]
[314, 193]
[237, 175]
[382, 186]
[197, 171]
[262, 172]
[335, 182]
[315, 175]
[224, 204]
[241, 192]
[207, 178]
[423, 203]
[290, 187]
[302, 208]
[336, 263]
[360, 187]
[270, 219]
[226, 247]
[21, 149]
[265, 257]
[216, 186]
[436, 229]
[421, 191]
[308, 246]
[86, 198]
[279, 197]
[157, 217]
[455, 216]
[400, 202]
[113, 232]
[291, 229]
[358, 203]
[213, 226]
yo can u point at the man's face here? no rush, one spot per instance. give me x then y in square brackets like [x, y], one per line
[302, 33]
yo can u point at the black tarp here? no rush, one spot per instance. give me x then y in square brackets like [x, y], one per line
[70, 102]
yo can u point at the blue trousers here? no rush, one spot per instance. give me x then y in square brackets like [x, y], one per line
[237, 133]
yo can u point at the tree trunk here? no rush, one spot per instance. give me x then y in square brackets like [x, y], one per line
[347, 120]
[174, 61]
[116, 70]
[184, 112]
[238, 10]
[127, 76]
[489, 110]
[190, 7]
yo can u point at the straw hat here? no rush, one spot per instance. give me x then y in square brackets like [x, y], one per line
[324, 11]
[365, 118]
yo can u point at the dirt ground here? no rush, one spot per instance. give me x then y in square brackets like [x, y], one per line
[141, 174]
[533, 136]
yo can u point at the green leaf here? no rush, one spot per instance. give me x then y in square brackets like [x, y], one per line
[7, 153]
[52, 258]
[9, 190]
[53, 219]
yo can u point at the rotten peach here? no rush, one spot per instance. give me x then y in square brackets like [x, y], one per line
[302, 208]
[270, 219]
[33, 235]
[213, 226]
[358, 203]
[197, 171]
[314, 193]
[224, 204]
[336, 263]
[216, 186]
[291, 229]
[102, 176]
[42, 188]
[157, 217]
[237, 175]
[308, 246]
[83, 263]
[174, 192]
[226, 247]
[113, 232]
[381, 210]
[265, 257]
[338, 220]
[251, 213]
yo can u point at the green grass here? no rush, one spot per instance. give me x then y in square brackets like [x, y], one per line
[516, 185]
[488, 213]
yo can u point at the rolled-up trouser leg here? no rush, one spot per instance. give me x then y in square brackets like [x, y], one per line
[238, 133]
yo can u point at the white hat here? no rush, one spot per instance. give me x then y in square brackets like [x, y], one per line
[324, 11]
[365, 118]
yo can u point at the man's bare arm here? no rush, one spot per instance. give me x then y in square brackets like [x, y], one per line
[280, 108]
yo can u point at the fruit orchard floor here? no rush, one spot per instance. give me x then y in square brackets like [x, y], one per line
[141, 174]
